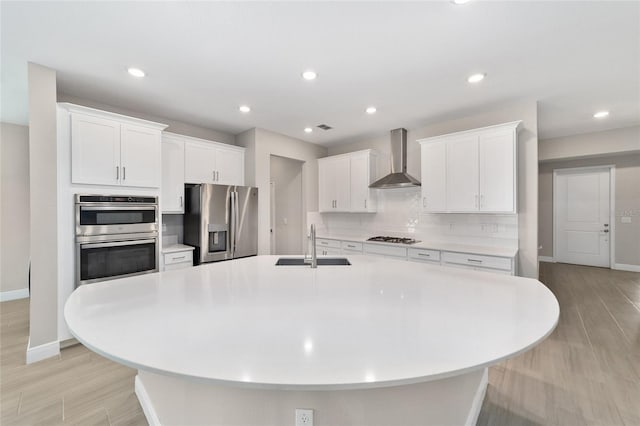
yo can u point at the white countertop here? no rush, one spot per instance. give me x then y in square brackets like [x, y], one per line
[434, 245]
[250, 323]
[173, 248]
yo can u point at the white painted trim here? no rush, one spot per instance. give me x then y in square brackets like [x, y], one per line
[145, 402]
[478, 398]
[22, 293]
[626, 267]
[546, 259]
[81, 109]
[612, 206]
[38, 353]
[515, 125]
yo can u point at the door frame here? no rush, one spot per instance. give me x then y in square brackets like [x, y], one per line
[612, 207]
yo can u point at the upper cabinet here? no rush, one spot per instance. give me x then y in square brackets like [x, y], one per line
[172, 188]
[471, 171]
[344, 182]
[212, 162]
[112, 149]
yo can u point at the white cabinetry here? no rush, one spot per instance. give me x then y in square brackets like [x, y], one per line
[112, 149]
[210, 162]
[172, 194]
[471, 171]
[344, 182]
[178, 256]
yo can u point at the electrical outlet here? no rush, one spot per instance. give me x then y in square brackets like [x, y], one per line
[304, 417]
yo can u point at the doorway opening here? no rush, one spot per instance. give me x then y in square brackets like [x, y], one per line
[287, 221]
[583, 222]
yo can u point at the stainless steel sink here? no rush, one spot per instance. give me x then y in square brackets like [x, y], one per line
[323, 261]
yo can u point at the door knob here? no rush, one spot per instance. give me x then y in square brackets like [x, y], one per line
[605, 231]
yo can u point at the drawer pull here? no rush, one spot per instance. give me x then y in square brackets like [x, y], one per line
[474, 260]
[324, 243]
[177, 258]
[424, 254]
[351, 246]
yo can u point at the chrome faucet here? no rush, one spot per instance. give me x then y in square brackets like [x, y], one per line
[313, 261]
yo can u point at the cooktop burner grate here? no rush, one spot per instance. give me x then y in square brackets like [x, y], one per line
[394, 240]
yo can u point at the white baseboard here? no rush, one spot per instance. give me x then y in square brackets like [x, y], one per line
[478, 398]
[145, 402]
[22, 293]
[38, 353]
[625, 267]
[546, 259]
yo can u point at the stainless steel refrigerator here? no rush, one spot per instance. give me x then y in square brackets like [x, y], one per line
[221, 221]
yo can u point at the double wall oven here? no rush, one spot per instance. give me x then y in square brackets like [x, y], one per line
[116, 236]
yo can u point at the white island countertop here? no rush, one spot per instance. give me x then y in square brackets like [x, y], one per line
[373, 324]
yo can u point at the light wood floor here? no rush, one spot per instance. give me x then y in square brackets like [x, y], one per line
[586, 372]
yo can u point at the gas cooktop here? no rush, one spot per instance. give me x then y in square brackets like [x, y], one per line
[394, 240]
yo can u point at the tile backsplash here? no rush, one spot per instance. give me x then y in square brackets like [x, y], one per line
[172, 229]
[399, 215]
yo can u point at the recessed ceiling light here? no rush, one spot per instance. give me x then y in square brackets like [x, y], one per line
[308, 130]
[601, 114]
[475, 78]
[136, 72]
[459, 1]
[371, 110]
[309, 75]
[244, 108]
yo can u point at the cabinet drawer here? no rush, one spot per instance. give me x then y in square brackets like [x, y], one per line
[386, 250]
[503, 263]
[352, 246]
[321, 242]
[178, 257]
[424, 254]
[324, 251]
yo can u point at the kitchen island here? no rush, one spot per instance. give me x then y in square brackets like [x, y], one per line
[247, 342]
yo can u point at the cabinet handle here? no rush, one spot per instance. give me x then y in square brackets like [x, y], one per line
[350, 246]
[117, 173]
[124, 173]
[214, 175]
[424, 254]
[424, 201]
[481, 200]
[181, 201]
[217, 176]
[476, 203]
[177, 258]
[474, 260]
[365, 203]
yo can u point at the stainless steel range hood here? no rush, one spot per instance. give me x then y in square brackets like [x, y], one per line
[398, 178]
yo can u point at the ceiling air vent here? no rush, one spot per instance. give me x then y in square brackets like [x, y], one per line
[324, 127]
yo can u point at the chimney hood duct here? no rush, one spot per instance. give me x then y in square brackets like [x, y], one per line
[398, 178]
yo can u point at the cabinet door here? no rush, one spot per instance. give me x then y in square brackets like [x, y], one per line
[325, 186]
[140, 156]
[434, 176]
[172, 194]
[360, 179]
[229, 167]
[342, 187]
[199, 163]
[497, 172]
[462, 174]
[95, 150]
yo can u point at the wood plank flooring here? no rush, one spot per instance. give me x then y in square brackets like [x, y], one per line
[586, 372]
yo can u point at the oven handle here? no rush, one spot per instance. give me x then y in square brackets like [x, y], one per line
[102, 208]
[117, 243]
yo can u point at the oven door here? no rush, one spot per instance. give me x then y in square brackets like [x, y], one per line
[109, 259]
[92, 219]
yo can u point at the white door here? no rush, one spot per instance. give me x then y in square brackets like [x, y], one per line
[95, 150]
[342, 183]
[581, 216]
[360, 201]
[172, 195]
[497, 172]
[229, 167]
[462, 174]
[434, 175]
[199, 163]
[140, 156]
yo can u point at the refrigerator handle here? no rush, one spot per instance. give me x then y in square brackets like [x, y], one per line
[235, 222]
[232, 234]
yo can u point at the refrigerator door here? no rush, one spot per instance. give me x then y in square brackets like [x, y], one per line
[215, 223]
[244, 239]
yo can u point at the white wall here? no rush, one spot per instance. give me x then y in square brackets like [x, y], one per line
[14, 202]
[260, 145]
[286, 176]
[43, 175]
[608, 142]
[527, 219]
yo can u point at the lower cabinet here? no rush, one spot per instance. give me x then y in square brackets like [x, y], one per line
[177, 259]
[476, 262]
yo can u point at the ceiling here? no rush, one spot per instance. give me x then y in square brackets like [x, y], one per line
[410, 60]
